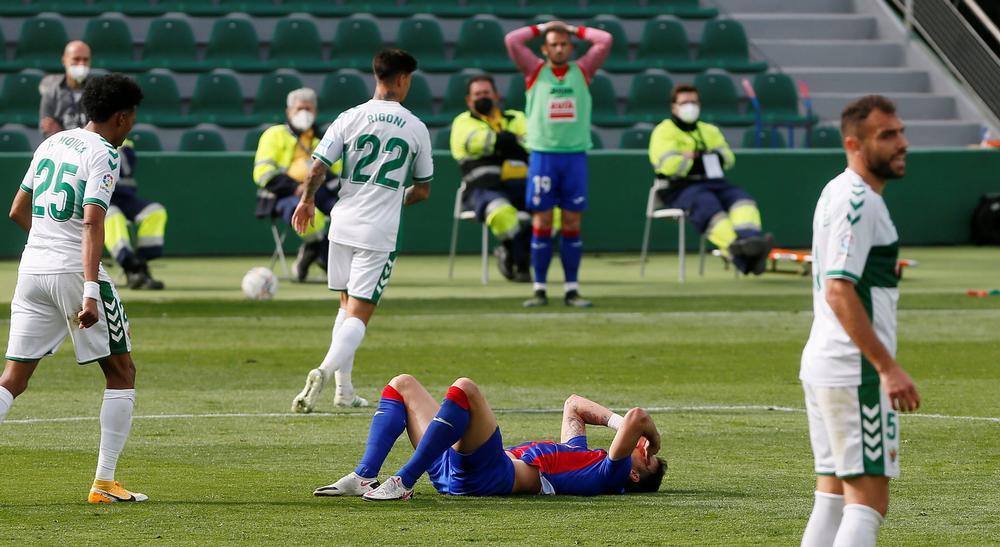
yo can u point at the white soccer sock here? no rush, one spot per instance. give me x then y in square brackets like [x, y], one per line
[340, 358]
[328, 365]
[6, 400]
[824, 520]
[116, 422]
[859, 528]
[574, 286]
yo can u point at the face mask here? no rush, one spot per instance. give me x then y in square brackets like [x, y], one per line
[688, 112]
[79, 72]
[303, 120]
[483, 105]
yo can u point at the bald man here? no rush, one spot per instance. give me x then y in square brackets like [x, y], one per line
[60, 108]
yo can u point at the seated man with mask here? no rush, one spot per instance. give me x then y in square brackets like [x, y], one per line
[690, 157]
[280, 168]
[487, 143]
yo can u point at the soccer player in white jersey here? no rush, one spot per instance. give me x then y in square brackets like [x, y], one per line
[853, 384]
[61, 286]
[382, 144]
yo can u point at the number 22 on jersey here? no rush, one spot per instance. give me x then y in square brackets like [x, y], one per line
[369, 147]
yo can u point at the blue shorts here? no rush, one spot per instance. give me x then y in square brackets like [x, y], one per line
[486, 472]
[557, 179]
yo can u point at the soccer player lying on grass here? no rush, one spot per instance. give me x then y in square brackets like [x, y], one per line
[458, 444]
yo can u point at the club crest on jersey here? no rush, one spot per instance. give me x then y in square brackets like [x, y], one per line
[107, 181]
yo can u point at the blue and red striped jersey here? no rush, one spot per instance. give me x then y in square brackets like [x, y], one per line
[572, 469]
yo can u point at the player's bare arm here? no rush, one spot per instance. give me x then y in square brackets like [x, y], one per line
[302, 218]
[638, 424]
[20, 210]
[844, 302]
[417, 193]
[93, 246]
[578, 413]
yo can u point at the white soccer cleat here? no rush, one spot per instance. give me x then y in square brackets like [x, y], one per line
[350, 484]
[390, 490]
[305, 401]
[349, 400]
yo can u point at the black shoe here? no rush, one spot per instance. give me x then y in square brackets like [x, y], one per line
[744, 253]
[308, 253]
[759, 264]
[138, 276]
[539, 300]
[574, 300]
[505, 260]
[522, 276]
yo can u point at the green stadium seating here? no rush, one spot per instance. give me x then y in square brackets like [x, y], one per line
[480, 45]
[568, 9]
[233, 44]
[720, 105]
[687, 9]
[62, 7]
[144, 140]
[161, 102]
[254, 7]
[271, 101]
[825, 137]
[141, 7]
[455, 92]
[170, 44]
[420, 101]
[514, 96]
[617, 60]
[218, 99]
[422, 37]
[724, 45]
[296, 44]
[649, 97]
[358, 39]
[342, 90]
[14, 141]
[768, 137]
[110, 42]
[779, 100]
[20, 99]
[442, 139]
[40, 44]
[201, 140]
[635, 138]
[605, 103]
[443, 8]
[664, 44]
[252, 138]
[596, 139]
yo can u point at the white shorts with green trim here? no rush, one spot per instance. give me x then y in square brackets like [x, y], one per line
[363, 273]
[45, 309]
[854, 431]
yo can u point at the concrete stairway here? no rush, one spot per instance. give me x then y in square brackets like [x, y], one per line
[843, 49]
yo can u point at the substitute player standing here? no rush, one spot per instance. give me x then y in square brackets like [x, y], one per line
[853, 384]
[61, 286]
[382, 144]
[558, 109]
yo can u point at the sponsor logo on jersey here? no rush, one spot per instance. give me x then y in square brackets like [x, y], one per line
[108, 181]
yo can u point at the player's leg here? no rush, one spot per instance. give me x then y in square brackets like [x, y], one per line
[751, 244]
[540, 201]
[828, 504]
[116, 423]
[572, 189]
[13, 382]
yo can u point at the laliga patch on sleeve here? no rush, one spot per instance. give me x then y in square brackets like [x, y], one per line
[108, 181]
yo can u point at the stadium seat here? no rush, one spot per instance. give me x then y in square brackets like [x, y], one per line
[139, 7]
[687, 9]
[664, 44]
[513, 97]
[779, 100]
[63, 7]
[569, 9]
[252, 138]
[111, 43]
[40, 44]
[636, 138]
[825, 137]
[342, 90]
[596, 139]
[145, 140]
[446, 8]
[218, 99]
[442, 139]
[19, 97]
[649, 97]
[254, 7]
[389, 8]
[480, 45]
[720, 105]
[358, 39]
[617, 60]
[724, 45]
[170, 44]
[420, 101]
[454, 94]
[14, 141]
[421, 36]
[201, 140]
[767, 137]
[161, 102]
[296, 45]
[605, 103]
[271, 101]
[233, 44]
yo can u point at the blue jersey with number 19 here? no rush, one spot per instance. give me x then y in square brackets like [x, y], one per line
[382, 145]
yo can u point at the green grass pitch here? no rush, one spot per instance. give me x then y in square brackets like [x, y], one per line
[223, 461]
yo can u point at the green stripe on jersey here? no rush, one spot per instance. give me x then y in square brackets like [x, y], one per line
[95, 201]
[320, 157]
[842, 273]
[26, 189]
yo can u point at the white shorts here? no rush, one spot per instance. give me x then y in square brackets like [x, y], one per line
[853, 430]
[364, 274]
[44, 310]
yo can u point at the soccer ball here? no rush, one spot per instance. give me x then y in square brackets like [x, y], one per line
[260, 283]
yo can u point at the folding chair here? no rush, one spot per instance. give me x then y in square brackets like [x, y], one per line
[679, 215]
[458, 215]
[278, 234]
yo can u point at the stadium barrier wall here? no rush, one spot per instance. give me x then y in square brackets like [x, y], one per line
[210, 199]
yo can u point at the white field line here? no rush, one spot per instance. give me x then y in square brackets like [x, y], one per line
[701, 408]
